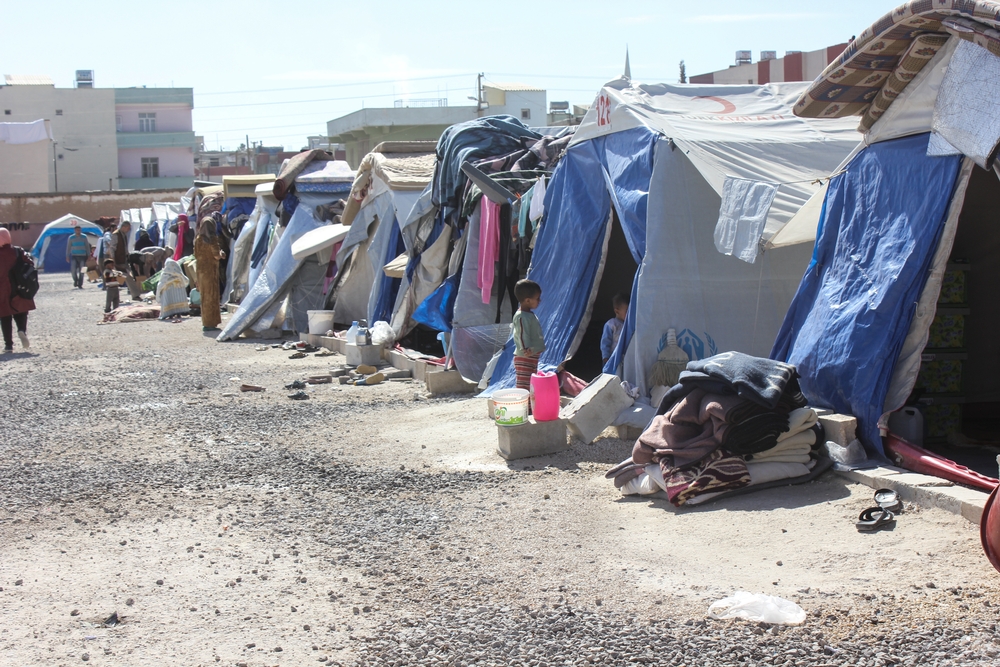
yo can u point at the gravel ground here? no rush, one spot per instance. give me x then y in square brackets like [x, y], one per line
[374, 526]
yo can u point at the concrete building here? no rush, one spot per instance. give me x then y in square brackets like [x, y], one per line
[102, 138]
[155, 137]
[794, 66]
[425, 120]
[84, 153]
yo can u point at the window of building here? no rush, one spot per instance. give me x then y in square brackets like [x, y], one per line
[58, 112]
[118, 123]
[525, 114]
[213, 162]
[6, 112]
[150, 167]
[147, 122]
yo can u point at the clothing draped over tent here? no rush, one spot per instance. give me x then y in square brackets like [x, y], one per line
[846, 325]
[171, 290]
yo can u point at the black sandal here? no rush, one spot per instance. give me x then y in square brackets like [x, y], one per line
[875, 518]
[888, 499]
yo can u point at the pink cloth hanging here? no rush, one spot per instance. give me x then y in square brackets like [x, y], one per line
[489, 246]
[182, 226]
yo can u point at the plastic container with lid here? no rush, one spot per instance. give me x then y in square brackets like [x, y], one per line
[352, 333]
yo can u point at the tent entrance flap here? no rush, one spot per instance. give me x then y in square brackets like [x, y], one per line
[616, 275]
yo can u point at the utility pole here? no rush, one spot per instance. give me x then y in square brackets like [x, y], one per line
[479, 95]
[55, 166]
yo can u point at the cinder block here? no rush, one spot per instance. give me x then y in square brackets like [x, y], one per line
[362, 354]
[596, 407]
[420, 370]
[401, 361]
[626, 432]
[532, 439]
[396, 373]
[312, 339]
[842, 429]
[333, 343]
[448, 382]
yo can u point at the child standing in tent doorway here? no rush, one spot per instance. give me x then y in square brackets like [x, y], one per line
[529, 342]
[613, 327]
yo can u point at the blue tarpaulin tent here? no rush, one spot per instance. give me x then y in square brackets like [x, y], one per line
[50, 247]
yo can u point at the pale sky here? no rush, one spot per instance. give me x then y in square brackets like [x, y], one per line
[277, 71]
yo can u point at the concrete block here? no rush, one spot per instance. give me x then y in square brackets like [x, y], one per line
[842, 429]
[448, 382]
[532, 439]
[399, 360]
[362, 354]
[626, 432]
[420, 370]
[396, 373]
[596, 407]
[332, 343]
[312, 339]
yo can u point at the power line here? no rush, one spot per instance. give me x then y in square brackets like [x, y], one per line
[330, 99]
[340, 85]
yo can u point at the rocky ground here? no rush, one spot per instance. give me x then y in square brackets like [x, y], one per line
[372, 526]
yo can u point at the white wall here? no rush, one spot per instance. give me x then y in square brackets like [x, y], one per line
[517, 100]
[84, 132]
[25, 167]
[177, 161]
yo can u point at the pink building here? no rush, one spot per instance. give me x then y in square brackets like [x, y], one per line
[155, 137]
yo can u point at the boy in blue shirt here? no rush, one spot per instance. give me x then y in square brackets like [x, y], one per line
[613, 327]
[529, 343]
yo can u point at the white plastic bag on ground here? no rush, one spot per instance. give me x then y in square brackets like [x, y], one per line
[382, 333]
[758, 607]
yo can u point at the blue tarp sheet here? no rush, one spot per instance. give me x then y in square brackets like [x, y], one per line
[571, 239]
[879, 230]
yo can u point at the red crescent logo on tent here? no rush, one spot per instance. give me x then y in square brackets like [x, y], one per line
[727, 106]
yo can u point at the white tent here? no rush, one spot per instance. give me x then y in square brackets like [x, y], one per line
[900, 294]
[389, 182]
[686, 171]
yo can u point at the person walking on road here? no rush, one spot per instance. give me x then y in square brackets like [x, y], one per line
[13, 308]
[77, 253]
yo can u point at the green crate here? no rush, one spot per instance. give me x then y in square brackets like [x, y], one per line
[952, 287]
[947, 331]
[941, 376]
[942, 419]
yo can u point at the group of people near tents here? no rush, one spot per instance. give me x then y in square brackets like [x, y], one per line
[754, 218]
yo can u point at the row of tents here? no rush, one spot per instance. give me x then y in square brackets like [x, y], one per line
[762, 219]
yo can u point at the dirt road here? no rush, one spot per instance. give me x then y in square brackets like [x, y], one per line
[371, 526]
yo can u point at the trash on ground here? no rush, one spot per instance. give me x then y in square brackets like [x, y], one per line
[758, 607]
[299, 396]
[251, 387]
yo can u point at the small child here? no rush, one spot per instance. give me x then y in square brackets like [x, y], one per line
[529, 342]
[613, 327]
[110, 285]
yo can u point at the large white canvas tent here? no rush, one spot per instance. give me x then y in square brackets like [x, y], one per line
[911, 220]
[654, 164]
[50, 247]
[388, 183]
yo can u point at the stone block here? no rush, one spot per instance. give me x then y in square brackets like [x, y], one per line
[447, 382]
[626, 432]
[311, 339]
[399, 360]
[333, 343]
[532, 439]
[842, 429]
[362, 354]
[596, 407]
[420, 370]
[396, 373]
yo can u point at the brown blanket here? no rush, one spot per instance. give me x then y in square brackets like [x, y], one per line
[688, 432]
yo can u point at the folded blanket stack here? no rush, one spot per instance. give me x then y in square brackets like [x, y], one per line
[725, 410]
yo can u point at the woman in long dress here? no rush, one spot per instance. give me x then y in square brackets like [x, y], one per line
[207, 254]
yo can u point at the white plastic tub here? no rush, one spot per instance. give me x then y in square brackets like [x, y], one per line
[320, 321]
[510, 407]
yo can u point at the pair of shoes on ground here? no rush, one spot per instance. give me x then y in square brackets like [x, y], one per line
[883, 515]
